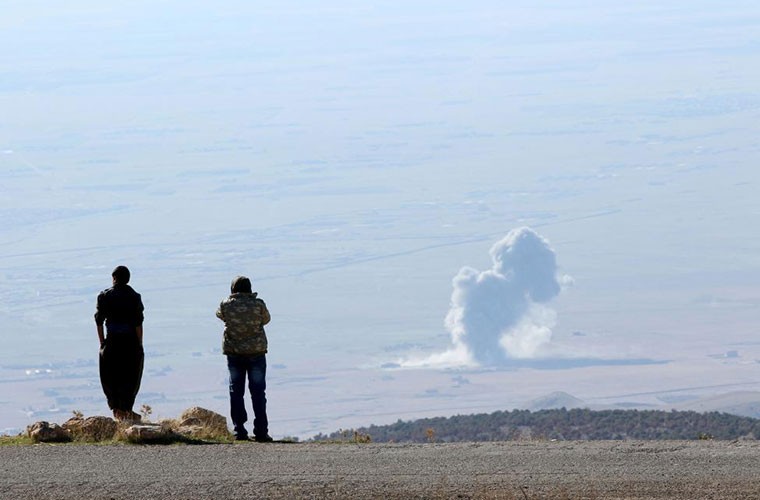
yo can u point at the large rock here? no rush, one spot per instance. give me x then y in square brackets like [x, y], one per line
[149, 433]
[91, 428]
[201, 423]
[45, 432]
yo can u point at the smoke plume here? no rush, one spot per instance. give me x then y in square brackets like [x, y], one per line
[500, 314]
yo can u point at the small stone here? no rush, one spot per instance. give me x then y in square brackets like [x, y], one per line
[193, 431]
[45, 432]
[207, 422]
[148, 433]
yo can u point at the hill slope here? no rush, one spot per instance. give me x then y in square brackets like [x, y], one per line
[563, 424]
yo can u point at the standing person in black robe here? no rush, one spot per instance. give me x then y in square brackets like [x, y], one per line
[121, 351]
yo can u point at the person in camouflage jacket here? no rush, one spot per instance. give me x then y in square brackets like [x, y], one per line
[245, 345]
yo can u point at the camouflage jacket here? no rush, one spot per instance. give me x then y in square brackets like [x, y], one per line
[244, 316]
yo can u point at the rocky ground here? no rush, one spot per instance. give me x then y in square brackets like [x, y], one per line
[508, 470]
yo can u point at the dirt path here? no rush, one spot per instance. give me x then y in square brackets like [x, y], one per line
[513, 470]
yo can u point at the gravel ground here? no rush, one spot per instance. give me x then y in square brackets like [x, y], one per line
[509, 470]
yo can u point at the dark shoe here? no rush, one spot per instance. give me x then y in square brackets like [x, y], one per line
[266, 438]
[241, 437]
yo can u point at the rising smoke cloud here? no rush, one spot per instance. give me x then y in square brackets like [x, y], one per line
[501, 314]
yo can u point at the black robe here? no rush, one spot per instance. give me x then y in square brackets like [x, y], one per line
[121, 356]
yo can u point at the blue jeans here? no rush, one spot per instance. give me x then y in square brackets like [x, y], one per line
[255, 368]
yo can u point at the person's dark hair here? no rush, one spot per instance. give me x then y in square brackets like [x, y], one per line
[120, 275]
[241, 284]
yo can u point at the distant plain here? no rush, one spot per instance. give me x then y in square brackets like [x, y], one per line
[351, 159]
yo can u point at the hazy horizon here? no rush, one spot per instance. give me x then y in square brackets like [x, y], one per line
[354, 160]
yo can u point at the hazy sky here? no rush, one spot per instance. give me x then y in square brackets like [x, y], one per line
[352, 157]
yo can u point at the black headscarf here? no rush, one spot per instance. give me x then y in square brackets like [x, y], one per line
[241, 284]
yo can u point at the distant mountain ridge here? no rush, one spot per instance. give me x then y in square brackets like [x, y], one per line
[555, 401]
[741, 403]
